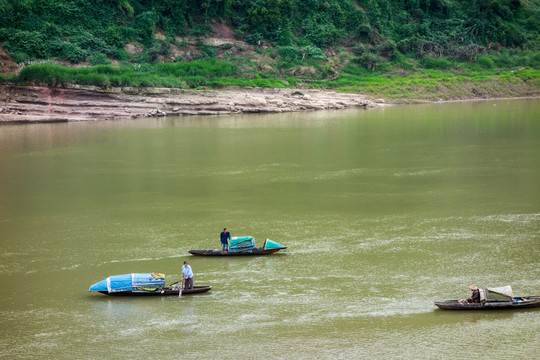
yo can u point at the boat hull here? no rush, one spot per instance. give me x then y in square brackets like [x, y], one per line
[255, 251]
[167, 291]
[526, 302]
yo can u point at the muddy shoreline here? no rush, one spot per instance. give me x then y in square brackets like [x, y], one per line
[34, 104]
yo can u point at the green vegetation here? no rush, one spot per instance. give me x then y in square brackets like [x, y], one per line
[439, 84]
[430, 84]
[206, 72]
[395, 48]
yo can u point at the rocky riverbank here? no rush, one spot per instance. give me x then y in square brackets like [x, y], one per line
[32, 104]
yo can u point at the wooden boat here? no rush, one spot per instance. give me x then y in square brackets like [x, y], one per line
[492, 299]
[241, 246]
[142, 284]
[255, 251]
[516, 303]
[166, 291]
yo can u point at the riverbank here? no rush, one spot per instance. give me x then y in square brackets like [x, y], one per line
[34, 104]
[38, 104]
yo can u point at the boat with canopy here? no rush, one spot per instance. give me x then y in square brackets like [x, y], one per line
[142, 284]
[492, 298]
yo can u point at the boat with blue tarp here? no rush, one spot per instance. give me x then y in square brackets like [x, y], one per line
[242, 245]
[142, 284]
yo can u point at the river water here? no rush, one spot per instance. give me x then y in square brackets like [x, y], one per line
[383, 211]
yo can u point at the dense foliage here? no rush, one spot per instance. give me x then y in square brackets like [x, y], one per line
[80, 29]
[444, 48]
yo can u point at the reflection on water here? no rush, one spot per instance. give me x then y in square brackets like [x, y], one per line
[383, 212]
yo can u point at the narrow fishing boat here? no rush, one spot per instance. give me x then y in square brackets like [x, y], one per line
[242, 245]
[492, 299]
[142, 284]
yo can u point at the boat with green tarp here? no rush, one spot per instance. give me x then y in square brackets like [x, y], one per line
[242, 245]
[492, 298]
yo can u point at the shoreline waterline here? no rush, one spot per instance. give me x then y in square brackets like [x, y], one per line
[37, 104]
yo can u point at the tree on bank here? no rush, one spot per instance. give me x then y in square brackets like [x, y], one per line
[378, 34]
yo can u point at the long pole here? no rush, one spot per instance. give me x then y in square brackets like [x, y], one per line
[181, 286]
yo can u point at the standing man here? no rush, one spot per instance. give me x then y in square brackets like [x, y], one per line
[188, 275]
[225, 237]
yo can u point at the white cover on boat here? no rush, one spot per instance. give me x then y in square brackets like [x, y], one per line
[496, 292]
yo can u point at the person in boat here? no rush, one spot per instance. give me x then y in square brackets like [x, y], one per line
[188, 275]
[475, 297]
[225, 236]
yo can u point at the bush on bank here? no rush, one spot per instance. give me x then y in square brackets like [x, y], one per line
[458, 80]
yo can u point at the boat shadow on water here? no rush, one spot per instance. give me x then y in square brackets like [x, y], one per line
[475, 316]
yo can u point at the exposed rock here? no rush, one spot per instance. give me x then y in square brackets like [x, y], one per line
[222, 31]
[267, 68]
[133, 49]
[303, 70]
[22, 104]
[254, 101]
[156, 112]
[7, 64]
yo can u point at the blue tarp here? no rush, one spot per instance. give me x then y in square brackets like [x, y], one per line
[128, 282]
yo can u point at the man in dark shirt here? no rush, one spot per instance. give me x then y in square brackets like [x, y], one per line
[225, 237]
[475, 297]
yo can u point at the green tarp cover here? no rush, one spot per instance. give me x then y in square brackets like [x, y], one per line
[241, 243]
[269, 244]
[240, 239]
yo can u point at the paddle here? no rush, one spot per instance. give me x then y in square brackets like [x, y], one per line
[181, 286]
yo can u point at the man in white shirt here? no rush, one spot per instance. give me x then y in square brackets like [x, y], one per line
[188, 275]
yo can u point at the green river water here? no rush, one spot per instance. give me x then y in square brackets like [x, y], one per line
[383, 211]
